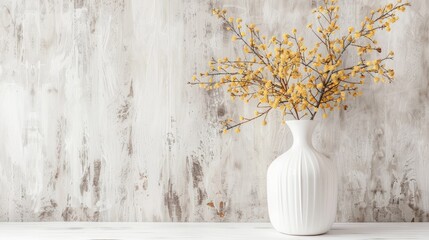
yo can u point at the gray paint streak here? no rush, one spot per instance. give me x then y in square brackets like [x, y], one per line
[97, 122]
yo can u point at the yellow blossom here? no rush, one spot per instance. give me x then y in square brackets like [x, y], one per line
[285, 36]
[273, 39]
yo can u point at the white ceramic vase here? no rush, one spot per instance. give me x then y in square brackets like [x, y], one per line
[302, 186]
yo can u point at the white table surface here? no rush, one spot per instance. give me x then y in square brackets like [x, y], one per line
[248, 231]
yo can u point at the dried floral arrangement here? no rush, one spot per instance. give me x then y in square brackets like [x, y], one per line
[283, 73]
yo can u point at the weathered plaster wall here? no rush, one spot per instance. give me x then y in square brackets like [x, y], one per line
[97, 122]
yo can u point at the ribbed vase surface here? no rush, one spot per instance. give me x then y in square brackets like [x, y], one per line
[302, 186]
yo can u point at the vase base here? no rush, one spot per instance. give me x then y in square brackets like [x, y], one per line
[303, 234]
[303, 231]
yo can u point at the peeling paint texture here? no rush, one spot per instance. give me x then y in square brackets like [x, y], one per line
[97, 122]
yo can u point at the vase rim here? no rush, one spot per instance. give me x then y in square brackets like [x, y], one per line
[302, 120]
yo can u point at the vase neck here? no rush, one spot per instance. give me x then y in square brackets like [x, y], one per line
[302, 132]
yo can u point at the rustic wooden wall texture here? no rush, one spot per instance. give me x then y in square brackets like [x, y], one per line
[97, 122]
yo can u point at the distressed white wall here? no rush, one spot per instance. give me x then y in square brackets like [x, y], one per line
[97, 122]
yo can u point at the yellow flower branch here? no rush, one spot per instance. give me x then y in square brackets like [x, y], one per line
[283, 73]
